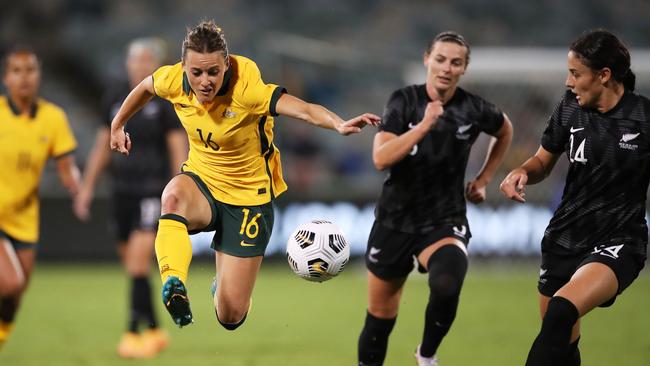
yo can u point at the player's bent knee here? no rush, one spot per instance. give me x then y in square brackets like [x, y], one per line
[447, 268]
[561, 313]
[232, 320]
[230, 313]
[171, 201]
[12, 286]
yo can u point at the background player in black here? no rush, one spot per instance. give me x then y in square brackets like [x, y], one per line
[137, 185]
[595, 244]
[425, 138]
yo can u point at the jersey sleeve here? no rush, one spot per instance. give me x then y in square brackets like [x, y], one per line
[555, 135]
[168, 81]
[393, 119]
[63, 141]
[492, 118]
[260, 98]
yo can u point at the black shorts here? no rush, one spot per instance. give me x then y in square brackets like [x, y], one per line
[558, 266]
[131, 213]
[390, 253]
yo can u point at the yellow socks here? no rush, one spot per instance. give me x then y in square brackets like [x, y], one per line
[5, 330]
[173, 247]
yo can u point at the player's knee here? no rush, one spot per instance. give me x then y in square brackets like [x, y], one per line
[560, 314]
[231, 316]
[172, 201]
[230, 312]
[231, 319]
[12, 286]
[383, 311]
[447, 268]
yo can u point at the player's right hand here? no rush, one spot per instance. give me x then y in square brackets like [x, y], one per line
[120, 141]
[433, 110]
[513, 185]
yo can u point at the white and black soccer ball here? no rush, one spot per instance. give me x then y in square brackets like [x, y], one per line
[317, 250]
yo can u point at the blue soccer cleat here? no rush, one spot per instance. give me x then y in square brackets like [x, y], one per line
[174, 296]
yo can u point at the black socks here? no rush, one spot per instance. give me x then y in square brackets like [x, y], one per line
[141, 309]
[447, 267]
[551, 347]
[373, 340]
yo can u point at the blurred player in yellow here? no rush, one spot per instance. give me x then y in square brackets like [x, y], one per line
[137, 184]
[32, 130]
[233, 172]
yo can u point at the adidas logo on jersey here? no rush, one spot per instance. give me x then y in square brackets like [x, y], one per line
[627, 137]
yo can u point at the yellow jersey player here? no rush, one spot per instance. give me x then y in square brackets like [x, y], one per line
[31, 131]
[233, 172]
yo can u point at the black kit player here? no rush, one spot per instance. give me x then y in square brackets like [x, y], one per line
[595, 244]
[137, 185]
[424, 142]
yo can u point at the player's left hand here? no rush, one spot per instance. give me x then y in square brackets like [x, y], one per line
[121, 141]
[475, 191]
[355, 124]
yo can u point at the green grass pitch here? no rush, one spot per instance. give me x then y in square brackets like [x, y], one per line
[74, 315]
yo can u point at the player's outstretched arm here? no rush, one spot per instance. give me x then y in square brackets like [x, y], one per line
[534, 170]
[68, 173]
[138, 97]
[317, 115]
[475, 191]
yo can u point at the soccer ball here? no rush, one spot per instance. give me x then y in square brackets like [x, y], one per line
[317, 251]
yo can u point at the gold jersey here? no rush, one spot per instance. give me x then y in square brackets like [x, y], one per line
[231, 138]
[26, 143]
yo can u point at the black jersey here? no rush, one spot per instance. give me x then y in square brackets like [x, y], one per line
[147, 168]
[426, 188]
[605, 191]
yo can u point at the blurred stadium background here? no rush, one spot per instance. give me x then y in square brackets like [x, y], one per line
[349, 56]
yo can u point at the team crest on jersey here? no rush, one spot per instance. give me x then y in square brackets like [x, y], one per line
[624, 143]
[228, 114]
[461, 133]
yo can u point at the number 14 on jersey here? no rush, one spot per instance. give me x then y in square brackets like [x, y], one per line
[579, 154]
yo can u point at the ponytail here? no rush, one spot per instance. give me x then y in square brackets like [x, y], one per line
[629, 80]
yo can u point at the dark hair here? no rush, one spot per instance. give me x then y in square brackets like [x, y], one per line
[599, 49]
[15, 50]
[450, 36]
[206, 37]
